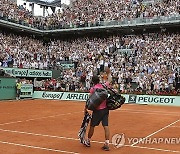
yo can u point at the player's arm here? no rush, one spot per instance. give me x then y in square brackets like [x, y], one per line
[85, 107]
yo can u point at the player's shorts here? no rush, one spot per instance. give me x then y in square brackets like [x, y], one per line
[100, 116]
[18, 91]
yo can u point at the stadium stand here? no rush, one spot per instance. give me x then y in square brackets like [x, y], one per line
[145, 63]
[85, 13]
[151, 63]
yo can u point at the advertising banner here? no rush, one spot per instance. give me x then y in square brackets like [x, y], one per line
[138, 99]
[26, 91]
[154, 99]
[61, 95]
[16, 72]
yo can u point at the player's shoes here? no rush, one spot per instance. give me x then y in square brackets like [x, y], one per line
[105, 148]
[87, 143]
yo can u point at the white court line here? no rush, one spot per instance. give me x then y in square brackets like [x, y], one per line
[146, 112]
[175, 126]
[156, 132]
[75, 139]
[157, 149]
[13, 122]
[121, 110]
[36, 134]
[156, 111]
[36, 147]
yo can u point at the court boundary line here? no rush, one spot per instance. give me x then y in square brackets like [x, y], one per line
[37, 147]
[52, 116]
[38, 134]
[74, 139]
[155, 113]
[175, 126]
[142, 139]
[157, 149]
[33, 119]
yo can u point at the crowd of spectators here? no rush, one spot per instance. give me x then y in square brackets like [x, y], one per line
[87, 13]
[145, 63]
[25, 81]
[152, 63]
[149, 64]
[24, 52]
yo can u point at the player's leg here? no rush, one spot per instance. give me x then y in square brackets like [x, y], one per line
[107, 134]
[106, 130]
[96, 119]
[17, 94]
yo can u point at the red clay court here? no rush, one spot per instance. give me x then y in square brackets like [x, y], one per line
[51, 126]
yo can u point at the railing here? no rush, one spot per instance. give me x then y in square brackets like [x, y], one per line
[96, 25]
[160, 19]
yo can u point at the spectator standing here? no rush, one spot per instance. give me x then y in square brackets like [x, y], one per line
[18, 89]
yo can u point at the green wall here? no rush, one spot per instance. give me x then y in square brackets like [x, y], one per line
[7, 88]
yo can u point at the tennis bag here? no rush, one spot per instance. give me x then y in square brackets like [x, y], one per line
[115, 100]
[96, 98]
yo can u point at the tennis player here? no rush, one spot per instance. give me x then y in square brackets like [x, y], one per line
[101, 114]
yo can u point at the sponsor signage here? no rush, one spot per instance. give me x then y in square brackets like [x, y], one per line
[132, 99]
[16, 72]
[154, 99]
[26, 91]
[138, 99]
[61, 95]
